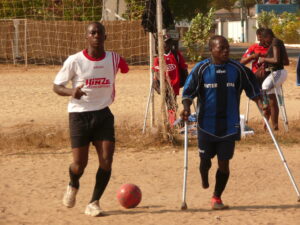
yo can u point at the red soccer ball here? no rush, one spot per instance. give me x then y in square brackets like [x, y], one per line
[129, 195]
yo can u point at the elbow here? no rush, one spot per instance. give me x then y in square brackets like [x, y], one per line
[55, 89]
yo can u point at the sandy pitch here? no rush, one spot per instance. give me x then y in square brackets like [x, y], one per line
[31, 185]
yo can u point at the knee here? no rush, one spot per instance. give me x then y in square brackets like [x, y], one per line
[273, 100]
[78, 167]
[106, 163]
[224, 166]
[265, 85]
[224, 170]
[205, 164]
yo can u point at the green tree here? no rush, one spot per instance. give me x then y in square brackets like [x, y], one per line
[264, 19]
[198, 34]
[51, 9]
[285, 26]
[188, 9]
[230, 4]
[134, 9]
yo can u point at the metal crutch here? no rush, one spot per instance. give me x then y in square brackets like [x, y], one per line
[147, 107]
[185, 167]
[281, 155]
[247, 111]
[280, 105]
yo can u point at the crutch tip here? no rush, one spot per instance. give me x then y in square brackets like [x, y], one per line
[183, 206]
[298, 199]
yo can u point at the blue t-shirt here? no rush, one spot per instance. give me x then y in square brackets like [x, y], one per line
[218, 89]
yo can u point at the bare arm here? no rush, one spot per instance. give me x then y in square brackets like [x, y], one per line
[286, 60]
[275, 59]
[74, 92]
[246, 60]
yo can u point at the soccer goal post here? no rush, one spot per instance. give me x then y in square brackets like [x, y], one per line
[39, 32]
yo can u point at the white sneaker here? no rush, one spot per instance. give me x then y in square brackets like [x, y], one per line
[69, 198]
[93, 209]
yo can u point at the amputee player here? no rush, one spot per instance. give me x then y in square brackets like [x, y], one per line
[275, 60]
[217, 83]
[92, 73]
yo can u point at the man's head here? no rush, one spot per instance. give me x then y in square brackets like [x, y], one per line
[95, 34]
[168, 43]
[259, 35]
[267, 36]
[219, 48]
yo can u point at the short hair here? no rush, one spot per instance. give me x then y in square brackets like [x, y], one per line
[267, 32]
[97, 24]
[213, 38]
[259, 30]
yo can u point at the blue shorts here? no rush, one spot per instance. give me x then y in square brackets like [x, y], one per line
[224, 149]
[86, 127]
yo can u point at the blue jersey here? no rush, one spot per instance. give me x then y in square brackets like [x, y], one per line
[218, 89]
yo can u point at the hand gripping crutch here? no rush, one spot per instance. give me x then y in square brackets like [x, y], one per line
[281, 155]
[185, 167]
[147, 107]
[280, 102]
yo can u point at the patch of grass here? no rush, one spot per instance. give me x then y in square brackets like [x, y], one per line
[33, 137]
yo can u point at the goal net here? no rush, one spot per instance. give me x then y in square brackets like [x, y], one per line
[46, 32]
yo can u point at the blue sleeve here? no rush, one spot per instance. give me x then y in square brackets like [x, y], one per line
[190, 89]
[249, 83]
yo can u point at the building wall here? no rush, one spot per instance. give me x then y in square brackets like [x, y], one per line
[233, 30]
[277, 8]
[112, 7]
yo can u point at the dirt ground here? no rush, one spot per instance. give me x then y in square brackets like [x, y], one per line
[35, 154]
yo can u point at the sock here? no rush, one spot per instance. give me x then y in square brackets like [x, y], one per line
[74, 179]
[172, 117]
[221, 181]
[102, 179]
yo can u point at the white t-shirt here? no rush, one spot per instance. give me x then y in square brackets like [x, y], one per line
[97, 75]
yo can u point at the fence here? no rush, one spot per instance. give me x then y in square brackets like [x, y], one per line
[51, 42]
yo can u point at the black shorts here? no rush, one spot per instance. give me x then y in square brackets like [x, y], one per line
[86, 127]
[224, 149]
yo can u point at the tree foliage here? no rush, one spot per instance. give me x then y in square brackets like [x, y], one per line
[230, 4]
[81, 10]
[285, 26]
[198, 34]
[264, 19]
[134, 9]
[188, 9]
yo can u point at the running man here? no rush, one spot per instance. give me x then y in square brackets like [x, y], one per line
[275, 60]
[218, 83]
[92, 73]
